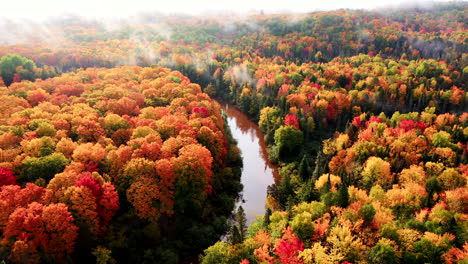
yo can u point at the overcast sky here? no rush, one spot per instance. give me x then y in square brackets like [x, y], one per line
[38, 9]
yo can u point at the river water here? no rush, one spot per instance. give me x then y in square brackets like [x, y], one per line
[258, 173]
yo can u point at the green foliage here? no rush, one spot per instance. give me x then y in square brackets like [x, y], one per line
[389, 231]
[303, 225]
[9, 64]
[289, 140]
[382, 254]
[427, 252]
[342, 198]
[235, 236]
[45, 129]
[305, 171]
[238, 231]
[256, 225]
[216, 254]
[368, 212]
[43, 167]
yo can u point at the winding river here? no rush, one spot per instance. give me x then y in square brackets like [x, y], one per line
[258, 173]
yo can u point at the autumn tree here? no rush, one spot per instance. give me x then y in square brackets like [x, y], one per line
[41, 232]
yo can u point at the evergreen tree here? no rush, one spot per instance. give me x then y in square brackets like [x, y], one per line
[308, 192]
[343, 196]
[285, 191]
[305, 171]
[266, 218]
[241, 222]
[234, 235]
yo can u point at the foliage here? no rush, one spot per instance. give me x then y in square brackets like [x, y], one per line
[112, 162]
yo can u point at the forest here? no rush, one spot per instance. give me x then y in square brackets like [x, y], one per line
[113, 148]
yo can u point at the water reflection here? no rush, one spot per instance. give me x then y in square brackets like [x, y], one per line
[258, 173]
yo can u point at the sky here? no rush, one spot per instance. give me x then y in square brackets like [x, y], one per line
[40, 9]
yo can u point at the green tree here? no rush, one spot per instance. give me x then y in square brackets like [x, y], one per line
[9, 67]
[288, 139]
[342, 199]
[241, 222]
[235, 236]
[382, 254]
[368, 212]
[305, 171]
[216, 254]
[43, 167]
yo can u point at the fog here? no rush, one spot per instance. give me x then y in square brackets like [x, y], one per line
[37, 10]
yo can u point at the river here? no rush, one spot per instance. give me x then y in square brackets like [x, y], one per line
[258, 172]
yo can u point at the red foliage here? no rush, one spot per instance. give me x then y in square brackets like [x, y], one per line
[16, 78]
[373, 119]
[7, 177]
[291, 120]
[90, 130]
[288, 248]
[69, 90]
[408, 125]
[45, 229]
[30, 135]
[92, 166]
[321, 227]
[200, 111]
[89, 182]
[283, 90]
[357, 122]
[108, 204]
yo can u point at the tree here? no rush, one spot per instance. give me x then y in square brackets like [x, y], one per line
[288, 139]
[241, 222]
[43, 167]
[303, 225]
[216, 253]
[288, 248]
[40, 230]
[234, 235]
[305, 171]
[7, 177]
[9, 64]
[342, 197]
[382, 254]
[376, 170]
[238, 231]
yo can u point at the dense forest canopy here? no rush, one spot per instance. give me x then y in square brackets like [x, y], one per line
[108, 128]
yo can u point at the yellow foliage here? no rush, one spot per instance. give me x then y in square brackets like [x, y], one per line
[450, 179]
[320, 255]
[457, 200]
[272, 203]
[342, 142]
[307, 256]
[377, 193]
[278, 222]
[357, 195]
[439, 240]
[382, 215]
[433, 168]
[344, 242]
[377, 171]
[408, 237]
[322, 180]
[414, 174]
